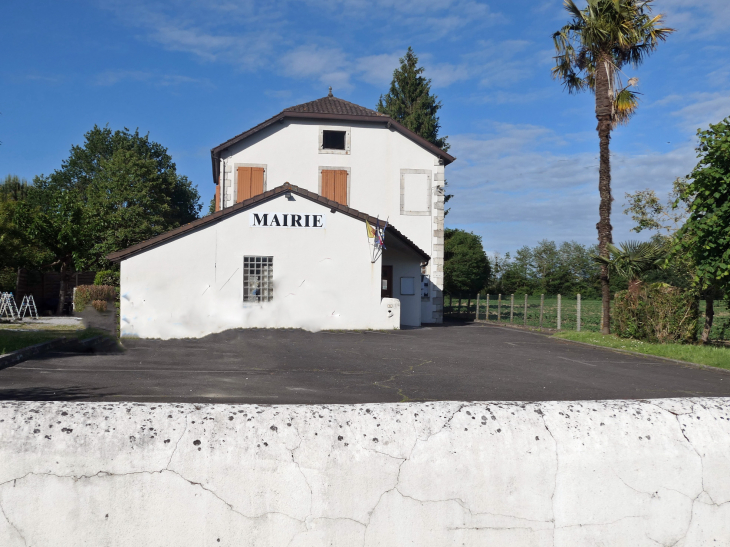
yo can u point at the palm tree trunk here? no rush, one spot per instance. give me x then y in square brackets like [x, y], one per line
[604, 115]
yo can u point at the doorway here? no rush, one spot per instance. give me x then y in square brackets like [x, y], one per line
[386, 287]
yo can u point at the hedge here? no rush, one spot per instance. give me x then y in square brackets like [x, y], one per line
[656, 313]
[86, 294]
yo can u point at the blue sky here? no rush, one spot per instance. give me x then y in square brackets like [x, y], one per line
[195, 73]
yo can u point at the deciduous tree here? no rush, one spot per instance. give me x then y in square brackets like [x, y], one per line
[466, 267]
[706, 234]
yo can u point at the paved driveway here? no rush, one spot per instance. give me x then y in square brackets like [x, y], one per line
[452, 362]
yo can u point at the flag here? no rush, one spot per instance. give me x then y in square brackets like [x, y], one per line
[370, 229]
[380, 234]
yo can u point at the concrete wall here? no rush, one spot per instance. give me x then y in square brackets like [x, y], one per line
[609, 473]
[193, 286]
[290, 153]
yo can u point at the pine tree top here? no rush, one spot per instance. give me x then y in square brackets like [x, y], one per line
[411, 103]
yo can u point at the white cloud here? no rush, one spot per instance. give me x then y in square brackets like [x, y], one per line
[329, 65]
[702, 109]
[514, 186]
[377, 69]
[111, 77]
[696, 20]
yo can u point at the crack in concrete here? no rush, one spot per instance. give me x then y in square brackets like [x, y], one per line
[557, 471]
[12, 525]
[178, 440]
[404, 398]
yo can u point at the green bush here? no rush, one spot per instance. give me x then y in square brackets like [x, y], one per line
[99, 305]
[107, 277]
[86, 294]
[656, 313]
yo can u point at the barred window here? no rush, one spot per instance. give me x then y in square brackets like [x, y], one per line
[258, 282]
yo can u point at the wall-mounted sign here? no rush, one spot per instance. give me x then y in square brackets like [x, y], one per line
[285, 220]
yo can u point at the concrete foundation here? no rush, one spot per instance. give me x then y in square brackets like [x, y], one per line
[605, 473]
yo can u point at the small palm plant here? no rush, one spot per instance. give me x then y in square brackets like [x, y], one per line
[632, 259]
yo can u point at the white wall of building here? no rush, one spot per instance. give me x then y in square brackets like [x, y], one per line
[290, 152]
[323, 278]
[504, 474]
[398, 256]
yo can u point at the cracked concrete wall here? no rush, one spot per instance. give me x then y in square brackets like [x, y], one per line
[600, 473]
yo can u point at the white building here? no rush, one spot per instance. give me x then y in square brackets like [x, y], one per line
[288, 245]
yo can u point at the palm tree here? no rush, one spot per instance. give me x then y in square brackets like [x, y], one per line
[591, 50]
[633, 259]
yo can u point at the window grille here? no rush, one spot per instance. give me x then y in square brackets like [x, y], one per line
[258, 282]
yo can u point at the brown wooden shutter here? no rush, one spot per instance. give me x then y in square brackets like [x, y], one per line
[217, 197]
[257, 181]
[334, 185]
[250, 182]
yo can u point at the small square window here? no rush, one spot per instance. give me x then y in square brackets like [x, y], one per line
[258, 278]
[333, 140]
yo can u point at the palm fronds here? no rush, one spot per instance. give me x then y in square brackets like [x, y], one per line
[633, 258]
[618, 32]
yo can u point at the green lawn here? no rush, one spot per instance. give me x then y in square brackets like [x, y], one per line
[12, 340]
[703, 355]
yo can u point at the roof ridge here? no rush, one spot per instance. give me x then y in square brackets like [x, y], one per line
[303, 107]
[245, 204]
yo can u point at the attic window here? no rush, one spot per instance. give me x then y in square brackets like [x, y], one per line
[333, 140]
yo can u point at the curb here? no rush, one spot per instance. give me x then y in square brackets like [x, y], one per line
[617, 350]
[23, 354]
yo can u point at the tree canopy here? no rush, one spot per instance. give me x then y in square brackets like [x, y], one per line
[706, 233]
[115, 190]
[466, 267]
[410, 102]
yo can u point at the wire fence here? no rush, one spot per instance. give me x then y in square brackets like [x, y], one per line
[556, 312]
[541, 311]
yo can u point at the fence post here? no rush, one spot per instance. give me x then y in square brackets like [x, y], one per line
[559, 310]
[458, 310]
[511, 307]
[486, 315]
[499, 309]
[524, 317]
[542, 305]
[477, 314]
[577, 323]
[468, 305]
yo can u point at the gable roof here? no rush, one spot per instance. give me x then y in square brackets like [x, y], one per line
[329, 108]
[248, 203]
[334, 105]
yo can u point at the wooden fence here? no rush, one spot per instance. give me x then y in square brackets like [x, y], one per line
[555, 312]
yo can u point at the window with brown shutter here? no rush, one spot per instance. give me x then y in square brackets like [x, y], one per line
[334, 185]
[217, 197]
[250, 183]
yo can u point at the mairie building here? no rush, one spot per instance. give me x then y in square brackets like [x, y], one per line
[328, 215]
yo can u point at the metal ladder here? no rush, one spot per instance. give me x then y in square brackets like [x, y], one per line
[28, 306]
[8, 307]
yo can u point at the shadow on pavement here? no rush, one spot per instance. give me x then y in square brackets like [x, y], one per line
[74, 393]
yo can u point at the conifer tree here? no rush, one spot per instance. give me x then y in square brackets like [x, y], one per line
[410, 103]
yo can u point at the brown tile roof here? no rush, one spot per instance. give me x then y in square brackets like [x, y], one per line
[238, 207]
[333, 105]
[329, 108]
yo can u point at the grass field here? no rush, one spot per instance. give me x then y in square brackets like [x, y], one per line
[590, 313]
[703, 355]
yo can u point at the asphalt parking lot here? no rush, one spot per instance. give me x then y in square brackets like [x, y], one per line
[469, 362]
